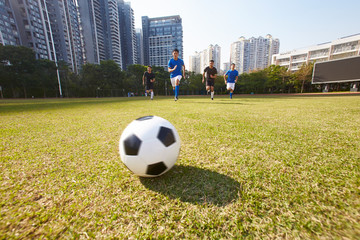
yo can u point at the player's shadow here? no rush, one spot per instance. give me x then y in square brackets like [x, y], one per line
[195, 185]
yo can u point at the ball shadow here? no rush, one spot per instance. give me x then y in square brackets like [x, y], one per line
[195, 185]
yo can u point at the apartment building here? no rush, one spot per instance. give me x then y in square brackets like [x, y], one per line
[160, 37]
[253, 53]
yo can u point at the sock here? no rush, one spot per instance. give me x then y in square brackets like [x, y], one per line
[174, 92]
[177, 91]
[231, 94]
[212, 94]
[152, 95]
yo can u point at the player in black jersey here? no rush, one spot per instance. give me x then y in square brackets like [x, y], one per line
[210, 73]
[150, 79]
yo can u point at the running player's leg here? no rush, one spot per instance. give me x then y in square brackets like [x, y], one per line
[173, 83]
[177, 87]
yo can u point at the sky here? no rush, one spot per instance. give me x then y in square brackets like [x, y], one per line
[297, 24]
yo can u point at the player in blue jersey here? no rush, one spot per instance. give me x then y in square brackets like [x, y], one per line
[175, 66]
[232, 77]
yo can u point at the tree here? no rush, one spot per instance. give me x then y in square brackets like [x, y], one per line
[253, 82]
[112, 74]
[162, 80]
[134, 76]
[91, 79]
[273, 82]
[304, 74]
[285, 75]
[17, 66]
[45, 75]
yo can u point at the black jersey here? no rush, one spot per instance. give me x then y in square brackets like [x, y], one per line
[149, 76]
[210, 71]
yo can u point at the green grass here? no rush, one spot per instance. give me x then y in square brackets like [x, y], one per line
[251, 167]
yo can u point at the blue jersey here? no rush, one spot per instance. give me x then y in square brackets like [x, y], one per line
[178, 69]
[232, 76]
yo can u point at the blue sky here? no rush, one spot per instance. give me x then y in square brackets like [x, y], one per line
[297, 24]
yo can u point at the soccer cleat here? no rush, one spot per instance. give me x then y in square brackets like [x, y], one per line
[212, 98]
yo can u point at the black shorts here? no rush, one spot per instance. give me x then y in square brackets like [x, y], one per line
[149, 85]
[210, 82]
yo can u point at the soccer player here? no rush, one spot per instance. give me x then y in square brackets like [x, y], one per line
[232, 77]
[150, 79]
[211, 73]
[175, 66]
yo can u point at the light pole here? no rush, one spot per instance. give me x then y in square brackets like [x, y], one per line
[58, 77]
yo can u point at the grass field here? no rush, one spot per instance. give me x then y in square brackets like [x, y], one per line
[255, 167]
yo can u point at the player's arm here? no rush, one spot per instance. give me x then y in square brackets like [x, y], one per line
[236, 78]
[153, 80]
[143, 78]
[215, 75]
[172, 69]
[203, 77]
[225, 78]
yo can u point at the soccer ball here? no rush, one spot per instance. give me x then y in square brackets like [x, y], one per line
[149, 146]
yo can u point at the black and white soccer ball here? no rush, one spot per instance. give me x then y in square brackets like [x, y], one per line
[149, 146]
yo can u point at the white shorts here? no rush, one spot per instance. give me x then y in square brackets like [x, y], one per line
[230, 85]
[173, 80]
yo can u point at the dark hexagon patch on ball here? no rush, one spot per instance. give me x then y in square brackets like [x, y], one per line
[132, 145]
[156, 169]
[166, 136]
[145, 118]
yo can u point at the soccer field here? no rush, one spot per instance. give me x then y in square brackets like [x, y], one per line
[252, 167]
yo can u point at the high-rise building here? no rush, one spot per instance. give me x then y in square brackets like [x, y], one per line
[216, 56]
[211, 53]
[139, 47]
[200, 60]
[254, 53]
[115, 34]
[49, 27]
[160, 37]
[344, 47]
[94, 29]
[127, 32]
[65, 31]
[8, 28]
[194, 63]
[32, 20]
[226, 66]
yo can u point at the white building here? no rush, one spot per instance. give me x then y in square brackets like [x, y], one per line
[340, 48]
[194, 63]
[200, 60]
[254, 53]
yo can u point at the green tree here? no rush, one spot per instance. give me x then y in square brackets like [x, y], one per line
[273, 82]
[112, 74]
[253, 82]
[16, 68]
[91, 79]
[45, 75]
[162, 80]
[134, 74]
[304, 75]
